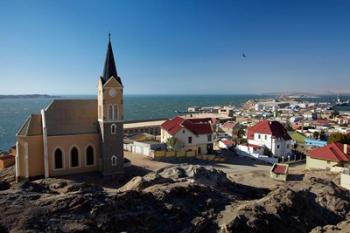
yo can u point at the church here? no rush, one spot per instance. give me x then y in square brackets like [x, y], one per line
[74, 136]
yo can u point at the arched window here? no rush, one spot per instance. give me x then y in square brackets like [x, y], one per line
[113, 129]
[114, 160]
[74, 157]
[110, 112]
[58, 159]
[115, 117]
[90, 160]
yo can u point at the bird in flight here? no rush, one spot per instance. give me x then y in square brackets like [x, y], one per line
[243, 55]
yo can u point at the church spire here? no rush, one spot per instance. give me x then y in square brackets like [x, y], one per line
[110, 67]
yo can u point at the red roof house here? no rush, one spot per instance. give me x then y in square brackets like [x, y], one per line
[229, 125]
[336, 152]
[273, 128]
[195, 125]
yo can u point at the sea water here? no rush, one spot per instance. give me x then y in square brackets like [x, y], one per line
[14, 111]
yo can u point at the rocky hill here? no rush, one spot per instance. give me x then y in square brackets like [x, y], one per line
[182, 198]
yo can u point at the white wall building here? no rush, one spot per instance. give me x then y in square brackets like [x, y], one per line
[272, 135]
[189, 134]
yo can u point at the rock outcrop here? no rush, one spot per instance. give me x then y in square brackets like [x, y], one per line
[183, 198]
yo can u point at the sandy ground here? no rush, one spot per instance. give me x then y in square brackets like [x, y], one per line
[239, 169]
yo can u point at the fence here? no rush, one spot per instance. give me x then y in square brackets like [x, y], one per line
[244, 151]
[159, 155]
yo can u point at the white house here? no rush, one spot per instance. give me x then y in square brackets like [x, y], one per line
[271, 134]
[194, 134]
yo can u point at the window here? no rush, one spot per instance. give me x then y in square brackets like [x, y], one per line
[265, 137]
[258, 136]
[278, 146]
[183, 131]
[110, 112]
[90, 156]
[74, 157]
[114, 160]
[115, 117]
[113, 129]
[209, 137]
[189, 139]
[58, 159]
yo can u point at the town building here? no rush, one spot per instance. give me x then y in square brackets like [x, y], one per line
[137, 127]
[279, 171]
[75, 136]
[6, 160]
[231, 128]
[272, 135]
[332, 157]
[195, 134]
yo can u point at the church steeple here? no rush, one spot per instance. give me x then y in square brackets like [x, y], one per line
[110, 67]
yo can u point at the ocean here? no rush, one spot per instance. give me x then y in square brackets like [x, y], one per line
[14, 111]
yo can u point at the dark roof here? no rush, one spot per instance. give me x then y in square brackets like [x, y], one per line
[110, 68]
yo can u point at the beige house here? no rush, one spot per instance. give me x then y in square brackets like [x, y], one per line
[75, 136]
[332, 157]
[193, 134]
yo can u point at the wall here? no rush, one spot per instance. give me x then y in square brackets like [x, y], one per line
[182, 136]
[272, 143]
[66, 143]
[281, 177]
[30, 156]
[4, 163]
[247, 151]
[345, 181]
[318, 163]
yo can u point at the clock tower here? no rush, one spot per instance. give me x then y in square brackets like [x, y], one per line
[110, 117]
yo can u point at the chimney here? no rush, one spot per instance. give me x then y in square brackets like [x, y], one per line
[346, 149]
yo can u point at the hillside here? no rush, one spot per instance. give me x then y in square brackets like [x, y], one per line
[182, 198]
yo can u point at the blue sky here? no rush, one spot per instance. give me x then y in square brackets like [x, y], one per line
[176, 47]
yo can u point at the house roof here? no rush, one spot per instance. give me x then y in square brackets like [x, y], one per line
[273, 128]
[5, 157]
[280, 168]
[332, 152]
[227, 141]
[254, 146]
[196, 126]
[229, 124]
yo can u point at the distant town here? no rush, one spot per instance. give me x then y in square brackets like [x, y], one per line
[28, 96]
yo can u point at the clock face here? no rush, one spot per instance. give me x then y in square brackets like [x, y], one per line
[112, 92]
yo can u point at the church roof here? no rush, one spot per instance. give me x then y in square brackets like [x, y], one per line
[69, 117]
[32, 126]
[110, 68]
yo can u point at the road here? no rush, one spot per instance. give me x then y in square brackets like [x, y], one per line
[232, 164]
